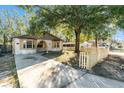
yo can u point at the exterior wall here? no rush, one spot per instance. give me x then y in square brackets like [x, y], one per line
[50, 48]
[17, 47]
[61, 45]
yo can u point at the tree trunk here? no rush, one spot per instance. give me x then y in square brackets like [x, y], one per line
[96, 44]
[11, 46]
[4, 43]
[77, 41]
[96, 41]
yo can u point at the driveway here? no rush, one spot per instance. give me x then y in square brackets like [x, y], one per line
[36, 71]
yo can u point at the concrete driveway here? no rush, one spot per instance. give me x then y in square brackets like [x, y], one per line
[36, 71]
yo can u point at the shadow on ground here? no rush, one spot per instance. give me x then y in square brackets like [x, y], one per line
[52, 54]
[25, 61]
[8, 73]
[48, 73]
[59, 76]
[111, 67]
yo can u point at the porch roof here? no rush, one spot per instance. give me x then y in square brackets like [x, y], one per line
[45, 36]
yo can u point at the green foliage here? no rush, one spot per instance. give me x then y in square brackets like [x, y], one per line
[64, 32]
[86, 37]
[120, 23]
[78, 19]
[11, 24]
[117, 13]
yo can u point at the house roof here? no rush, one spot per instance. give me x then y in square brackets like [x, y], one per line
[48, 36]
[45, 36]
[25, 37]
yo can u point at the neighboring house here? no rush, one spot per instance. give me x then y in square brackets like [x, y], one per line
[82, 45]
[68, 44]
[120, 44]
[117, 45]
[27, 44]
[85, 45]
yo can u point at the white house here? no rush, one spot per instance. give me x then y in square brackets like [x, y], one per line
[27, 44]
[86, 44]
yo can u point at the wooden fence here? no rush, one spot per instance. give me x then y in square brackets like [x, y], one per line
[83, 60]
[90, 56]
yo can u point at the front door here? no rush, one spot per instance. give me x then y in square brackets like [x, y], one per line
[42, 46]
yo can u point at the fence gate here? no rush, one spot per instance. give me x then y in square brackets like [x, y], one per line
[83, 60]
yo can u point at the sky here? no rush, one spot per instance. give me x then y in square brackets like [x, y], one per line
[10, 7]
[118, 36]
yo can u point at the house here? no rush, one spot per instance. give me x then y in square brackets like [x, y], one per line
[27, 44]
[120, 45]
[86, 44]
[68, 44]
[71, 45]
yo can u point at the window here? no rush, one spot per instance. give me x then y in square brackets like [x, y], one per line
[28, 44]
[55, 44]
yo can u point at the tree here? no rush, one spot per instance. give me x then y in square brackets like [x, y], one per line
[11, 24]
[76, 18]
[5, 27]
[86, 37]
[62, 31]
[117, 15]
[104, 33]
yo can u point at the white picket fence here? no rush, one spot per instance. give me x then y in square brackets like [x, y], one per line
[83, 60]
[88, 59]
[89, 56]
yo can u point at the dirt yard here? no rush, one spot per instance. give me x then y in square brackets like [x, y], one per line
[8, 75]
[67, 57]
[111, 67]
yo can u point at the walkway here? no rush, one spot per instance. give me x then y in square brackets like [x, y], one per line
[38, 71]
